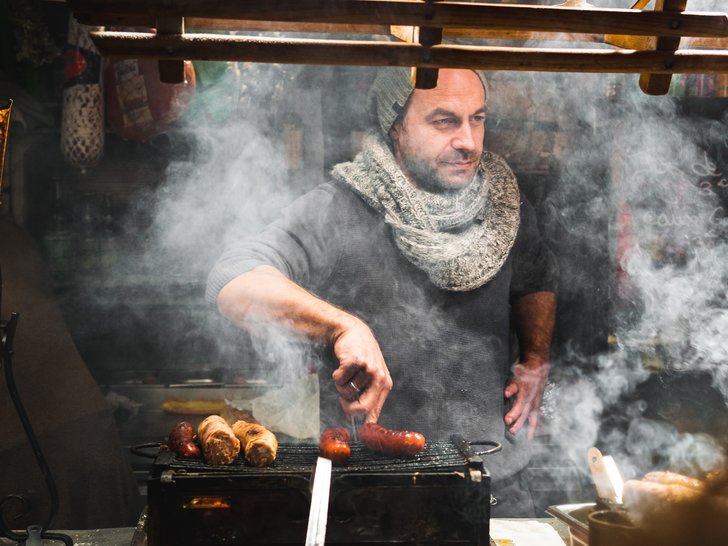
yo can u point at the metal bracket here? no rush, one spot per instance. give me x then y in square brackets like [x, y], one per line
[167, 476]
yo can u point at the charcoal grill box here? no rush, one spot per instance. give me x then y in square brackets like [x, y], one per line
[440, 496]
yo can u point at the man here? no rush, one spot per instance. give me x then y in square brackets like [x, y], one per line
[406, 265]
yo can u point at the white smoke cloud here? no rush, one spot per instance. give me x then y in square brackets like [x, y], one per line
[675, 268]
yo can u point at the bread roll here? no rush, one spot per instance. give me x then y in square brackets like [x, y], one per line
[673, 478]
[193, 407]
[219, 443]
[717, 479]
[649, 496]
[259, 444]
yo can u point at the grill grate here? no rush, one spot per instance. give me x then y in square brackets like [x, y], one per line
[439, 496]
[300, 458]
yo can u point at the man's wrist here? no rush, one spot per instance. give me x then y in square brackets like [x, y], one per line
[534, 361]
[341, 323]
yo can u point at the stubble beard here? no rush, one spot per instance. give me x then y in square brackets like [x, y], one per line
[427, 178]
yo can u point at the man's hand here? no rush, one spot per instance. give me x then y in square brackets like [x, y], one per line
[265, 295]
[362, 378]
[535, 314]
[527, 385]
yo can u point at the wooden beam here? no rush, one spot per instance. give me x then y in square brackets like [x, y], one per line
[659, 84]
[136, 21]
[199, 23]
[217, 47]
[521, 35]
[171, 71]
[632, 42]
[451, 15]
[405, 32]
[427, 36]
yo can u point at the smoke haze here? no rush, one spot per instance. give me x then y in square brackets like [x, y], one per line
[636, 182]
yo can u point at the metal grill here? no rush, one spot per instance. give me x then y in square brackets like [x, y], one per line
[439, 496]
[297, 459]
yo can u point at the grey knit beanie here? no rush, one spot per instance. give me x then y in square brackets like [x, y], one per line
[389, 93]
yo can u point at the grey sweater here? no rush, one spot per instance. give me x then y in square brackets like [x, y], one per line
[448, 352]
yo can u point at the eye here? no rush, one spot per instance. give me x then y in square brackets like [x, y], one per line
[445, 122]
[477, 119]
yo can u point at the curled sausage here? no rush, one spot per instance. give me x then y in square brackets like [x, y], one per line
[219, 444]
[259, 444]
[334, 445]
[181, 440]
[391, 442]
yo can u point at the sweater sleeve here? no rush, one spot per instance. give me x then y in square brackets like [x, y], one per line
[300, 244]
[534, 265]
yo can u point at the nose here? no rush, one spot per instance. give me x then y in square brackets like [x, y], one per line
[464, 138]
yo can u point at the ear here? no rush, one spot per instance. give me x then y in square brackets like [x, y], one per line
[396, 130]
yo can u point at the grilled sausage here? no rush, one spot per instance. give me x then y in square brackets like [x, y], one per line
[334, 445]
[391, 442]
[189, 450]
[219, 444]
[259, 444]
[181, 440]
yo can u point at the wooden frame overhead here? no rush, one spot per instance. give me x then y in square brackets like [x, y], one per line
[643, 42]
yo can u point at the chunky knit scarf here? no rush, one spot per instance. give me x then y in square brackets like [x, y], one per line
[461, 239]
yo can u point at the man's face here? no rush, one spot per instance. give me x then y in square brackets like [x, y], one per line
[439, 142]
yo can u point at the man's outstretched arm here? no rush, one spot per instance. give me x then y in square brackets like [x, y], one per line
[264, 295]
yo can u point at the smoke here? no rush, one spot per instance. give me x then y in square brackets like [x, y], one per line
[232, 181]
[637, 218]
[642, 185]
[220, 176]
[635, 185]
[230, 184]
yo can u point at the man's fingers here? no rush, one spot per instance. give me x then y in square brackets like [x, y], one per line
[352, 407]
[363, 393]
[532, 424]
[350, 382]
[361, 379]
[521, 410]
[369, 403]
[519, 422]
[349, 391]
[527, 385]
[382, 394]
[515, 412]
[345, 373]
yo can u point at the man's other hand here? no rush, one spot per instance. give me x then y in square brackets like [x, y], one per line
[527, 385]
[362, 378]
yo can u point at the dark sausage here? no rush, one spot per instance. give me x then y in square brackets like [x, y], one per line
[182, 433]
[188, 450]
[391, 442]
[334, 445]
[182, 441]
